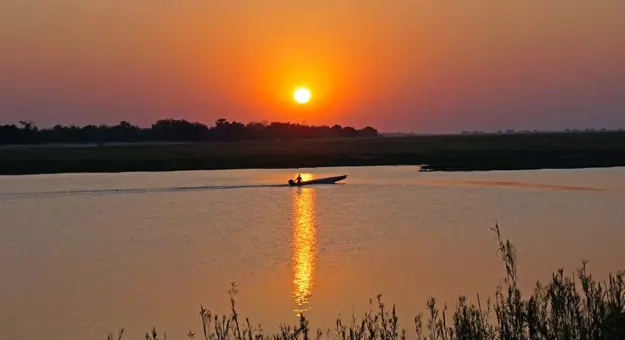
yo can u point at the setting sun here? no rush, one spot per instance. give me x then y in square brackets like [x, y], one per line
[302, 96]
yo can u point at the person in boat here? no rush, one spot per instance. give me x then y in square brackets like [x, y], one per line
[298, 179]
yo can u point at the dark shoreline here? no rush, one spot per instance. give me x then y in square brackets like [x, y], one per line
[487, 152]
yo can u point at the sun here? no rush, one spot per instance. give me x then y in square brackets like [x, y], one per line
[302, 95]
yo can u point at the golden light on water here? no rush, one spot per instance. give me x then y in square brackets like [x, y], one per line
[304, 246]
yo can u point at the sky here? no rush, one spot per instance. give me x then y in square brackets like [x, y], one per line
[400, 66]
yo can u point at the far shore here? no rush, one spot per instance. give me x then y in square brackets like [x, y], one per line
[480, 152]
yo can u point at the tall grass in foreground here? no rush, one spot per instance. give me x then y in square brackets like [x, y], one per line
[564, 308]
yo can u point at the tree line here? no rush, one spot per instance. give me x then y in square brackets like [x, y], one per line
[173, 130]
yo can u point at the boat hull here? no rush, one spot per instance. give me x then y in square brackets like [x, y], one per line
[326, 180]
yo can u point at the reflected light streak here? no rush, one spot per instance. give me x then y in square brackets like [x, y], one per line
[304, 246]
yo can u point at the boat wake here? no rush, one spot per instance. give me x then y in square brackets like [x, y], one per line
[138, 190]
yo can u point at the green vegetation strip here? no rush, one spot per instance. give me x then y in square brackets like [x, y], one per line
[439, 153]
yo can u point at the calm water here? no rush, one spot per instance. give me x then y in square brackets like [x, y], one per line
[85, 254]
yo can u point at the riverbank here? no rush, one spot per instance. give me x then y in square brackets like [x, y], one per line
[439, 152]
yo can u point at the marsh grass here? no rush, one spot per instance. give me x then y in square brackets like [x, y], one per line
[439, 152]
[564, 308]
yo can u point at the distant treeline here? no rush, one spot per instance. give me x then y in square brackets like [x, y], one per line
[172, 130]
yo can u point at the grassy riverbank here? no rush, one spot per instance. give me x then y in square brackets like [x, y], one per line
[563, 308]
[440, 153]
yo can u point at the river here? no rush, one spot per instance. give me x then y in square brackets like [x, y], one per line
[85, 254]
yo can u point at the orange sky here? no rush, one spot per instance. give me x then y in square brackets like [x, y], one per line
[425, 66]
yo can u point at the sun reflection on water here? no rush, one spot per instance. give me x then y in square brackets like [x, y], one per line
[304, 246]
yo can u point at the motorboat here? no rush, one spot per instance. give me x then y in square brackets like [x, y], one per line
[325, 180]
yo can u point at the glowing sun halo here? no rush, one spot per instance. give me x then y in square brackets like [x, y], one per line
[302, 96]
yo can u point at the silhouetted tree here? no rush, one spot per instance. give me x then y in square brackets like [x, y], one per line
[368, 131]
[173, 130]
